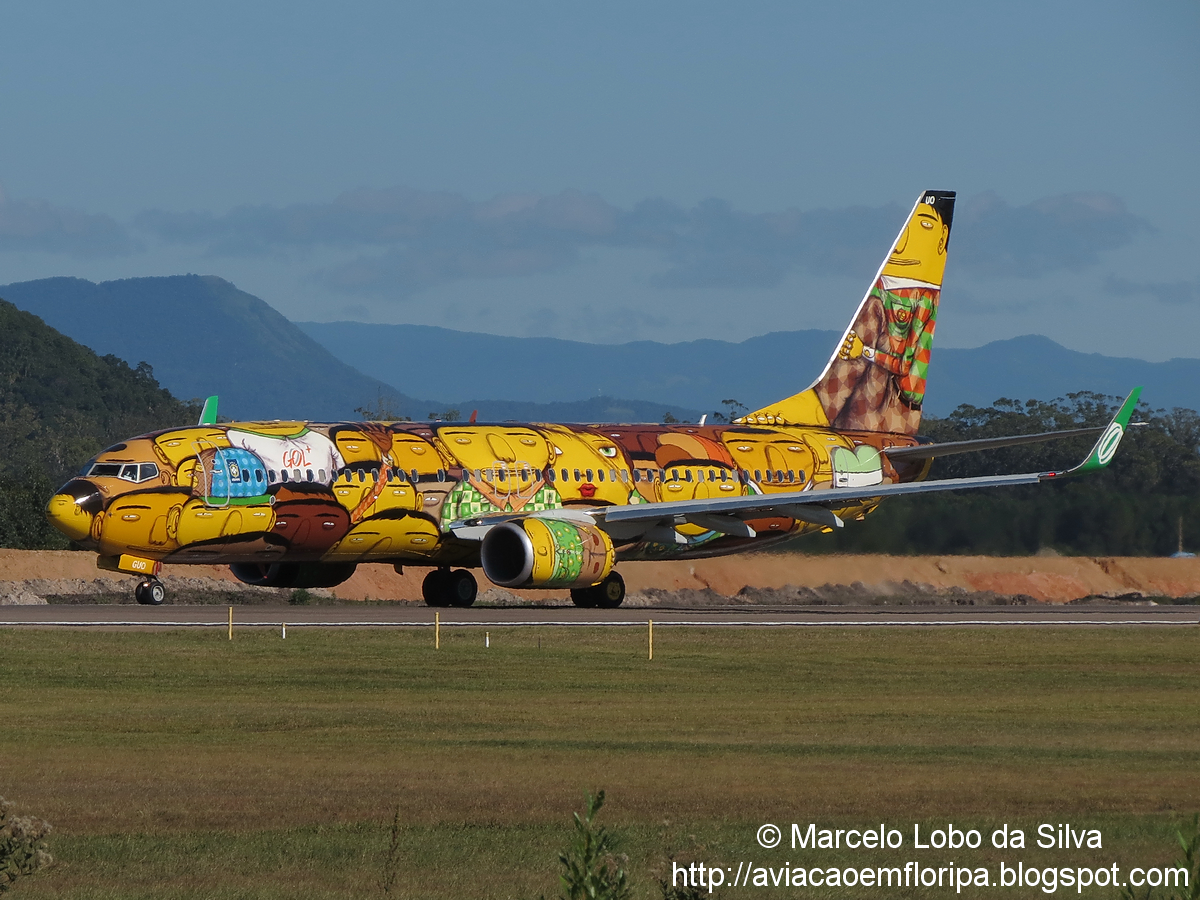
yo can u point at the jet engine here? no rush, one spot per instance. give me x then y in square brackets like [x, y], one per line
[546, 553]
[293, 575]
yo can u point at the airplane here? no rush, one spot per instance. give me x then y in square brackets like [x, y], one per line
[548, 506]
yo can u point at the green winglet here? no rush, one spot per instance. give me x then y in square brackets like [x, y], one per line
[1106, 447]
[208, 416]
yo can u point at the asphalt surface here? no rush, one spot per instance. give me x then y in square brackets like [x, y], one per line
[412, 615]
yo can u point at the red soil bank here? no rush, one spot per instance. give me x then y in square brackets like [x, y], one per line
[1050, 579]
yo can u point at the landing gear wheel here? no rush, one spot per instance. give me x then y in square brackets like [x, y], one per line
[150, 592]
[442, 588]
[608, 594]
[461, 588]
[433, 588]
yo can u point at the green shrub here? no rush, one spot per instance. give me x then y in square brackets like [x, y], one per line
[590, 868]
[22, 846]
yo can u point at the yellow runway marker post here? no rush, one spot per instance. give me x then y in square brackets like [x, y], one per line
[437, 631]
[231, 623]
[650, 631]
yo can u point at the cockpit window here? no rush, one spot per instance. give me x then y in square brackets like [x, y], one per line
[135, 472]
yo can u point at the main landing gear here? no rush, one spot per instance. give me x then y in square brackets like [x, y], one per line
[443, 587]
[608, 594]
[150, 592]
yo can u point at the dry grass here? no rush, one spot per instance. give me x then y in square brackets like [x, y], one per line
[180, 764]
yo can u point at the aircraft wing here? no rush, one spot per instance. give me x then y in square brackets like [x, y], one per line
[729, 515]
[949, 448]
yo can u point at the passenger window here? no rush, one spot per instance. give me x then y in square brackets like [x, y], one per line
[270, 476]
[600, 475]
[578, 476]
[320, 474]
[414, 476]
[566, 476]
[637, 476]
[550, 475]
[779, 476]
[502, 474]
[258, 475]
[441, 475]
[283, 475]
[712, 476]
[687, 474]
[625, 475]
[590, 474]
[309, 473]
[612, 474]
[758, 475]
[791, 476]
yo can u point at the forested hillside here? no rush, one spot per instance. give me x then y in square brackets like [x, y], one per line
[1132, 508]
[60, 404]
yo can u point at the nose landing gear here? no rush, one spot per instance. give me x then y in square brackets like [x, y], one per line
[150, 592]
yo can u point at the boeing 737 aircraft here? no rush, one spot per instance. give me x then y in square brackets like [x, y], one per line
[301, 504]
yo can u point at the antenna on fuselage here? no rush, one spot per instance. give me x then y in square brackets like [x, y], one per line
[208, 415]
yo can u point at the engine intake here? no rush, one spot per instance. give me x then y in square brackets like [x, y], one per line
[546, 553]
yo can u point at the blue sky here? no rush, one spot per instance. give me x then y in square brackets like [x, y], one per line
[617, 171]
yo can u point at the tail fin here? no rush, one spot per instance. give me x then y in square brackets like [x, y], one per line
[875, 380]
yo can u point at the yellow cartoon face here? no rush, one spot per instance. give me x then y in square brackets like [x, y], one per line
[920, 253]
[775, 460]
[356, 447]
[411, 452]
[486, 446]
[595, 470]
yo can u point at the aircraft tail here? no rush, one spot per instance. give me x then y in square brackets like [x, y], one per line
[875, 379]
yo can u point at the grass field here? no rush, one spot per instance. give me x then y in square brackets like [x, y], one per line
[180, 764]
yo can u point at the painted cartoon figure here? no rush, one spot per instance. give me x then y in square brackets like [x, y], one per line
[876, 380]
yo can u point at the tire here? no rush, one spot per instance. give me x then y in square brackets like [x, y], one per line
[610, 593]
[461, 588]
[150, 593]
[584, 598]
[433, 588]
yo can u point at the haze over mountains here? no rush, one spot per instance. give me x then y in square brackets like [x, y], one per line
[202, 335]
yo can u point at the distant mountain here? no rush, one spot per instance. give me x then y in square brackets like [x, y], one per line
[62, 403]
[422, 359]
[699, 374]
[201, 335]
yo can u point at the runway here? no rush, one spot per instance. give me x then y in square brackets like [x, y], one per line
[416, 616]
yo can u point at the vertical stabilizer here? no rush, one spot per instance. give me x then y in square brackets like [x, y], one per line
[875, 380]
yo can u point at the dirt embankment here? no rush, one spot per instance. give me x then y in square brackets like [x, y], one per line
[31, 576]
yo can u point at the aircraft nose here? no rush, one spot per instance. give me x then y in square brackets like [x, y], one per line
[72, 509]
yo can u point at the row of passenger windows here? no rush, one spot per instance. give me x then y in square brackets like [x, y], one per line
[502, 474]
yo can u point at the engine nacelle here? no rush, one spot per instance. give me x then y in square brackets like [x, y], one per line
[546, 553]
[293, 575]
